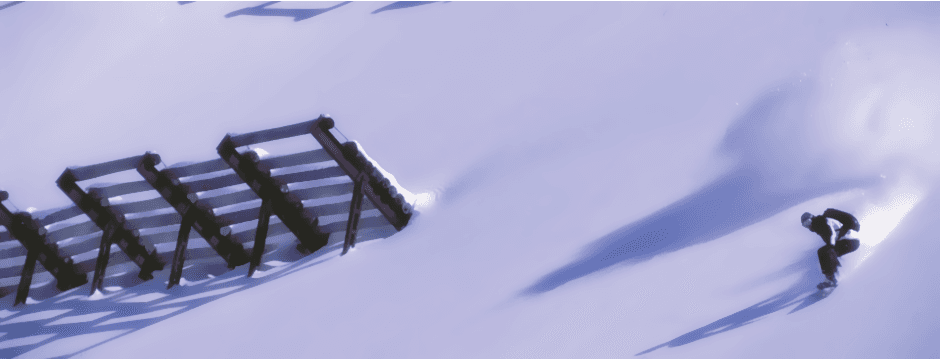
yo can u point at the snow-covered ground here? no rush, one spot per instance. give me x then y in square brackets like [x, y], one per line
[595, 179]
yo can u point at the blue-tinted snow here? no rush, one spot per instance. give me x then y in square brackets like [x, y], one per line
[609, 179]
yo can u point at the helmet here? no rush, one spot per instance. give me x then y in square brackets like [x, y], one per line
[805, 217]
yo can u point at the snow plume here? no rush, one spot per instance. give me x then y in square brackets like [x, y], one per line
[869, 116]
[880, 101]
[869, 112]
[882, 215]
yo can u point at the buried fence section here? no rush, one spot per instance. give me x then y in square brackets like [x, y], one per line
[369, 180]
[306, 190]
[326, 188]
[32, 235]
[121, 219]
[198, 215]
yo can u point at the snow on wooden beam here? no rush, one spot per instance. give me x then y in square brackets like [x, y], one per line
[198, 216]
[95, 205]
[32, 235]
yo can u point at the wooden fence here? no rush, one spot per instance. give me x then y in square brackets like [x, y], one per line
[149, 213]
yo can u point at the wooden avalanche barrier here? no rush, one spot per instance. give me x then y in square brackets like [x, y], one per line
[282, 194]
[32, 235]
[113, 220]
[330, 188]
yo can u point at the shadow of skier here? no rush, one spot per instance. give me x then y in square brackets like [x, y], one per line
[802, 294]
[765, 182]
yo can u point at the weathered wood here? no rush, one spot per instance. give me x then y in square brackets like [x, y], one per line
[261, 234]
[94, 204]
[179, 255]
[33, 237]
[97, 170]
[376, 188]
[285, 205]
[271, 134]
[295, 159]
[198, 168]
[104, 253]
[26, 278]
[355, 210]
[184, 201]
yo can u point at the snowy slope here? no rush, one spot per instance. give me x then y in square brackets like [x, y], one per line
[609, 179]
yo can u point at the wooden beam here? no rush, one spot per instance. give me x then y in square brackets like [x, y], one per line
[26, 277]
[355, 210]
[95, 205]
[32, 236]
[186, 203]
[179, 255]
[104, 253]
[261, 234]
[377, 188]
[285, 205]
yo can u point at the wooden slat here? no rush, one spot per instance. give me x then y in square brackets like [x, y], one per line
[61, 215]
[8, 285]
[296, 159]
[284, 205]
[141, 206]
[74, 230]
[13, 251]
[88, 172]
[17, 269]
[159, 220]
[199, 168]
[166, 237]
[88, 265]
[248, 237]
[125, 188]
[313, 175]
[272, 134]
[230, 198]
[324, 191]
[213, 183]
[81, 245]
[240, 216]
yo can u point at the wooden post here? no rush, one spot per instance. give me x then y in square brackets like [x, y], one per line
[355, 210]
[95, 205]
[179, 255]
[26, 277]
[104, 254]
[184, 202]
[377, 188]
[261, 234]
[257, 175]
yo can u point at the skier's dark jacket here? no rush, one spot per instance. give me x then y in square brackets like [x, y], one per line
[821, 226]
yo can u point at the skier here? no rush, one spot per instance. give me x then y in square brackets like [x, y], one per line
[838, 230]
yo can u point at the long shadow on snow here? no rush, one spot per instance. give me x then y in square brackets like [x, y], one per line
[9, 4]
[803, 292]
[748, 194]
[733, 202]
[401, 5]
[297, 14]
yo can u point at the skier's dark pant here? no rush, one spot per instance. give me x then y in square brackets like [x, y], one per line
[829, 255]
